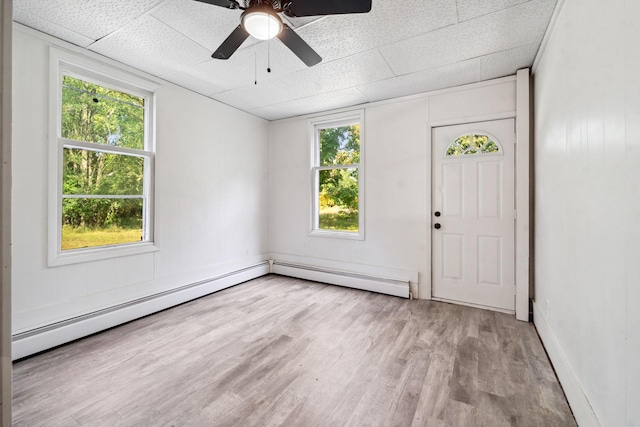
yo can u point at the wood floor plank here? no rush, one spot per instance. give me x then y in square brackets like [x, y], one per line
[282, 351]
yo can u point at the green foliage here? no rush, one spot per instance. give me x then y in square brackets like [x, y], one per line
[96, 114]
[339, 187]
[102, 212]
[340, 145]
[338, 219]
[472, 144]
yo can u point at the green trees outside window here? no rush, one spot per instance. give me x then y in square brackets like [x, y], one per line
[103, 165]
[337, 180]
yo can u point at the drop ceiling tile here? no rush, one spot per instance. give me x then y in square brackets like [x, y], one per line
[151, 46]
[193, 83]
[507, 62]
[426, 43]
[40, 24]
[469, 9]
[229, 74]
[503, 30]
[93, 19]
[300, 22]
[424, 81]
[326, 101]
[313, 104]
[332, 76]
[270, 113]
[340, 36]
[247, 64]
[203, 23]
[252, 96]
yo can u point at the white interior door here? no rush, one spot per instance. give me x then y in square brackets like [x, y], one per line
[473, 213]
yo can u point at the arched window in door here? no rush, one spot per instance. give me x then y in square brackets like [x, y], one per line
[473, 144]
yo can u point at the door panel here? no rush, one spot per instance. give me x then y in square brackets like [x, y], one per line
[489, 260]
[453, 180]
[453, 244]
[473, 189]
[489, 190]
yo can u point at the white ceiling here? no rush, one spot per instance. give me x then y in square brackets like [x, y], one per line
[399, 48]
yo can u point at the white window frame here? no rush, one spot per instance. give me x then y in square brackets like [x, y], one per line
[63, 63]
[324, 122]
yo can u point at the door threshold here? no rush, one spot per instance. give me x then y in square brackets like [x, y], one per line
[470, 304]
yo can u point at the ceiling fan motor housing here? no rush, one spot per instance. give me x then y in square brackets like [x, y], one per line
[261, 20]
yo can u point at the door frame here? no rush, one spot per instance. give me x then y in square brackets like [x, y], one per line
[498, 296]
[522, 187]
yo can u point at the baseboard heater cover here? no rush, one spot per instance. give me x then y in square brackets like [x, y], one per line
[382, 285]
[39, 339]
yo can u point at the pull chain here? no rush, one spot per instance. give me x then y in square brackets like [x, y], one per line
[255, 63]
[268, 56]
[269, 47]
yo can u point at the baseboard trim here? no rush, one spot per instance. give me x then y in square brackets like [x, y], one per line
[383, 285]
[36, 340]
[582, 410]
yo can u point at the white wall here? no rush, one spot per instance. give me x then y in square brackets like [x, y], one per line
[231, 191]
[587, 234]
[397, 161]
[211, 200]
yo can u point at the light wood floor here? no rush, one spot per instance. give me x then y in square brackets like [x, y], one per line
[281, 351]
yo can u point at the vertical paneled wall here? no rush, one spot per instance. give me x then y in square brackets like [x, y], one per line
[397, 162]
[587, 234]
[211, 200]
[5, 209]
[395, 202]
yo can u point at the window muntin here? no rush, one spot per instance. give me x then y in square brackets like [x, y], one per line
[106, 163]
[98, 172]
[473, 144]
[336, 170]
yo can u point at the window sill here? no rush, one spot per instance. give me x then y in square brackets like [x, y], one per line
[337, 234]
[87, 255]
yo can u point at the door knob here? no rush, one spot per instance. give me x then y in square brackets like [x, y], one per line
[437, 226]
[437, 213]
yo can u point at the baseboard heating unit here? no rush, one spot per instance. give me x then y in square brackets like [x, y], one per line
[383, 285]
[39, 339]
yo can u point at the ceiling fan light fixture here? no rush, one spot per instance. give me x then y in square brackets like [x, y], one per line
[261, 24]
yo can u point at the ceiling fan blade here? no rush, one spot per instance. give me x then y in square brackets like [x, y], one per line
[298, 8]
[229, 4]
[231, 44]
[298, 46]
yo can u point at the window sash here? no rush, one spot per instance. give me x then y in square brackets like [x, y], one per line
[103, 196]
[93, 146]
[146, 186]
[338, 120]
[346, 166]
[63, 64]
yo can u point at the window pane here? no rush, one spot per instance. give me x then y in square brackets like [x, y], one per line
[490, 147]
[338, 199]
[472, 144]
[479, 141]
[340, 145]
[93, 113]
[101, 222]
[95, 172]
